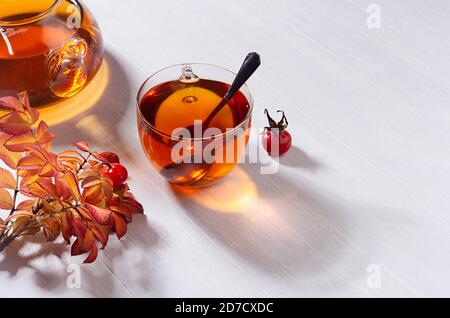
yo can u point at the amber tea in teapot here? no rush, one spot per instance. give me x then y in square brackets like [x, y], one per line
[49, 48]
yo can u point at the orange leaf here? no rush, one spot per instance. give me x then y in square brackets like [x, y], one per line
[70, 166]
[79, 228]
[71, 159]
[11, 102]
[20, 214]
[6, 200]
[52, 228]
[120, 226]
[133, 205]
[88, 241]
[82, 145]
[76, 247]
[102, 216]
[48, 156]
[33, 161]
[28, 174]
[7, 180]
[47, 170]
[26, 181]
[10, 158]
[84, 213]
[70, 153]
[47, 185]
[62, 189]
[107, 187]
[72, 182]
[107, 157]
[20, 143]
[122, 210]
[92, 255]
[26, 205]
[90, 182]
[15, 123]
[66, 226]
[42, 188]
[33, 113]
[43, 135]
[94, 195]
[100, 234]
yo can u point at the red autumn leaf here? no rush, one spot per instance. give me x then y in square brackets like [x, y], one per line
[88, 241]
[28, 175]
[76, 247]
[26, 181]
[100, 234]
[66, 226]
[47, 170]
[62, 189]
[48, 185]
[72, 184]
[70, 156]
[50, 157]
[20, 143]
[79, 227]
[43, 135]
[52, 228]
[6, 200]
[26, 215]
[89, 182]
[106, 157]
[94, 195]
[12, 103]
[70, 152]
[41, 188]
[15, 123]
[69, 166]
[33, 161]
[7, 180]
[122, 210]
[107, 187]
[102, 216]
[120, 226]
[133, 205]
[33, 113]
[10, 158]
[82, 145]
[85, 214]
[26, 205]
[92, 255]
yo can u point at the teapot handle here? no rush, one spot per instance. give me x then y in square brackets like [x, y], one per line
[66, 68]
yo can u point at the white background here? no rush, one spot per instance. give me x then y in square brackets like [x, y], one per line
[367, 182]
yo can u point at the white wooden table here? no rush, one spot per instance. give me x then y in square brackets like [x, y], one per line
[359, 207]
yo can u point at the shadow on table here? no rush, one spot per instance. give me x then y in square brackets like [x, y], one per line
[141, 237]
[246, 213]
[100, 123]
[298, 158]
[50, 260]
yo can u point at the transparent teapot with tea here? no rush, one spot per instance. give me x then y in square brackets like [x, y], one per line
[50, 48]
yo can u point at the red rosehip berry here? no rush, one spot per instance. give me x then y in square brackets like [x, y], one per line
[116, 172]
[283, 139]
[276, 140]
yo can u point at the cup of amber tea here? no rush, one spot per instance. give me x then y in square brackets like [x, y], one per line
[172, 105]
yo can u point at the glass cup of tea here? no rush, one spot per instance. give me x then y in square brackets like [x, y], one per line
[172, 105]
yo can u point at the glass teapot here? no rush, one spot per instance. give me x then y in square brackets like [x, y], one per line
[49, 48]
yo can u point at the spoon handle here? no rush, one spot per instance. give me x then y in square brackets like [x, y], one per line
[251, 63]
